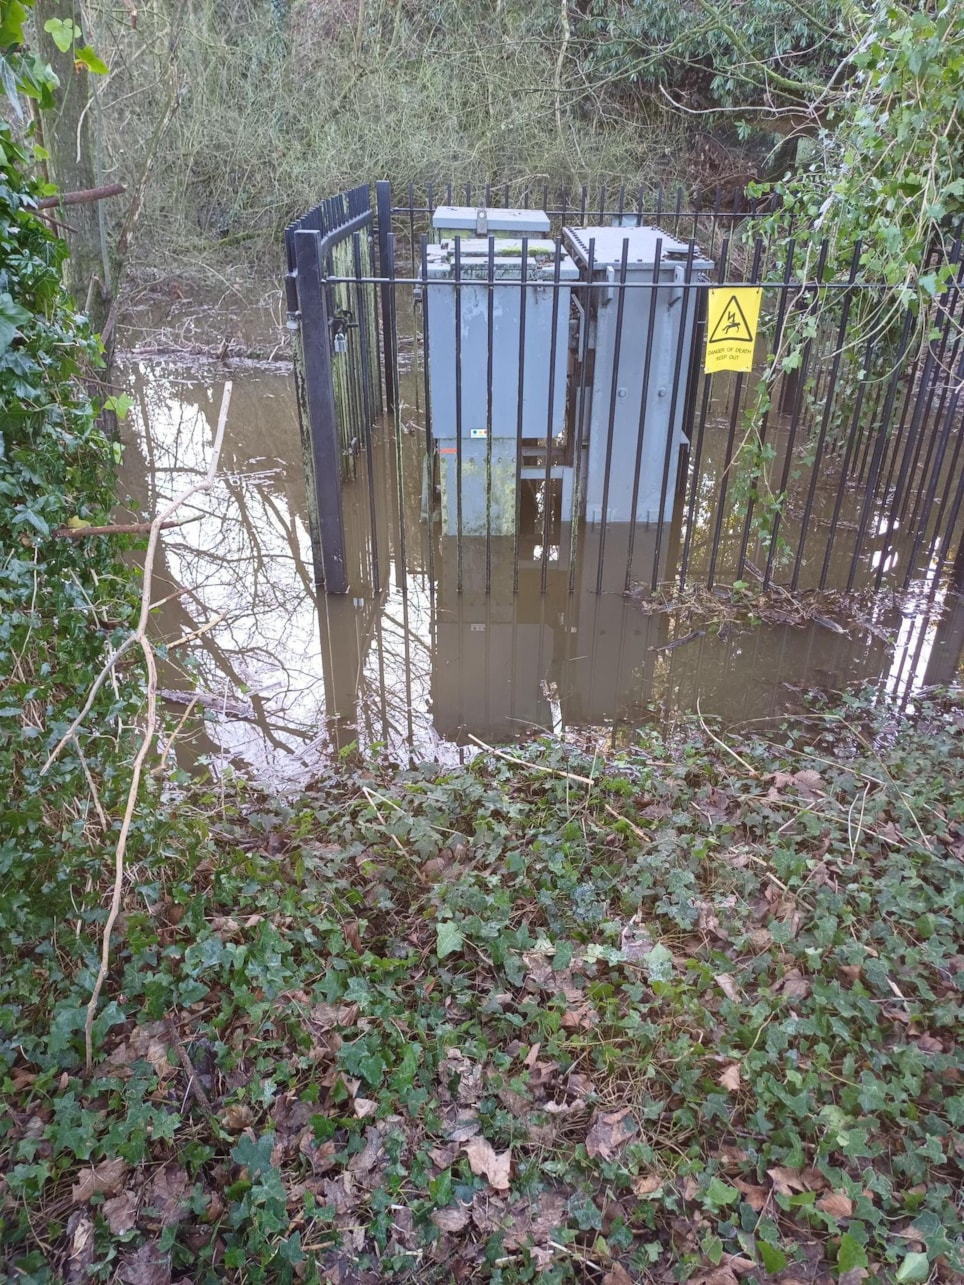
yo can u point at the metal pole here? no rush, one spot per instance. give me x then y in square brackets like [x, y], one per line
[383, 199]
[322, 413]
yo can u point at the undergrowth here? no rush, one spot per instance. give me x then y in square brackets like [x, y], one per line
[689, 1014]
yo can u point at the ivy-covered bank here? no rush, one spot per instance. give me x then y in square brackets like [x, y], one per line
[63, 602]
[689, 1015]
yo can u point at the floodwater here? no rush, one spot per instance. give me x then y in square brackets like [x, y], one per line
[289, 677]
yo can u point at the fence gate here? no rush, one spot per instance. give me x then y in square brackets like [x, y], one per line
[331, 315]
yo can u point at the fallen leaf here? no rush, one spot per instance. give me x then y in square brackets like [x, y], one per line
[854, 1276]
[929, 1044]
[722, 1276]
[104, 1179]
[80, 1229]
[728, 986]
[236, 1117]
[168, 1195]
[617, 1276]
[837, 1204]
[756, 1197]
[647, 1184]
[730, 1079]
[609, 1131]
[742, 1266]
[808, 781]
[484, 1161]
[364, 1107]
[121, 1213]
[146, 1266]
[795, 985]
[452, 1219]
[787, 1181]
[760, 939]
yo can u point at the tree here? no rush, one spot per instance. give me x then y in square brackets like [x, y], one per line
[68, 136]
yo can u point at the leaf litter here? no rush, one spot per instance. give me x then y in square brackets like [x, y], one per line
[699, 1021]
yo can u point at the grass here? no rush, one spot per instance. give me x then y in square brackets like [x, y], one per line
[691, 1013]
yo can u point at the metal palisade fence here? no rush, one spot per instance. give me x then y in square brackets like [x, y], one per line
[502, 382]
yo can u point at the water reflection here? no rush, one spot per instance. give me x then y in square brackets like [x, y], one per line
[408, 662]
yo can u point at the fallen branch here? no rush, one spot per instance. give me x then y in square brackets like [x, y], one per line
[84, 197]
[140, 638]
[118, 528]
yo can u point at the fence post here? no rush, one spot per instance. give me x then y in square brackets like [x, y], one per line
[322, 414]
[383, 200]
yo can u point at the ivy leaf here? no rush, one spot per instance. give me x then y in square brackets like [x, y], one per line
[9, 82]
[84, 54]
[12, 316]
[11, 24]
[448, 938]
[255, 1156]
[774, 1260]
[62, 31]
[915, 1267]
[850, 1254]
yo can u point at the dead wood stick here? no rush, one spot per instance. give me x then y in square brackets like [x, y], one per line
[83, 197]
[120, 528]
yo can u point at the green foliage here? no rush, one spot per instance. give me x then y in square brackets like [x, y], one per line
[889, 174]
[702, 1009]
[761, 54]
[62, 602]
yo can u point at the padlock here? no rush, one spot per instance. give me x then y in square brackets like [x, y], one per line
[341, 342]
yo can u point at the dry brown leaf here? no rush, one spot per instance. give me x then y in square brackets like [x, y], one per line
[737, 1263]
[609, 1131]
[103, 1179]
[787, 1181]
[452, 1219]
[730, 1079]
[760, 939]
[647, 1184]
[485, 1162]
[721, 1276]
[364, 1107]
[929, 1044]
[146, 1266]
[756, 1197]
[168, 1195]
[837, 1204]
[80, 1229]
[728, 986]
[121, 1213]
[795, 985]
[617, 1275]
[853, 1277]
[808, 782]
[236, 1117]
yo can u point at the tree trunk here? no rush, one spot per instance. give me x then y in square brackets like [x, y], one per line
[68, 135]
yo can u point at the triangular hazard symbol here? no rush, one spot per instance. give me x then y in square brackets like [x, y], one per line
[732, 325]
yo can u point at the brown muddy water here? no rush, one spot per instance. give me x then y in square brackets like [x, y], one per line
[289, 677]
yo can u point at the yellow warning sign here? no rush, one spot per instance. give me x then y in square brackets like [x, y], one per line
[733, 314]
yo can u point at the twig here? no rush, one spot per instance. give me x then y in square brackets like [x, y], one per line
[534, 767]
[194, 1085]
[640, 834]
[196, 633]
[723, 745]
[139, 636]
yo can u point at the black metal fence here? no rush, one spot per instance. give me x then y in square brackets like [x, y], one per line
[499, 446]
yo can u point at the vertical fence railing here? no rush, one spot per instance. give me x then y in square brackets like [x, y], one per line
[840, 469]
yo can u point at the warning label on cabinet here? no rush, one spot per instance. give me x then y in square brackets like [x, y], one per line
[732, 318]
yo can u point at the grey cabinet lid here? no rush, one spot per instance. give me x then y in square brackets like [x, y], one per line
[506, 260]
[468, 218]
[608, 251]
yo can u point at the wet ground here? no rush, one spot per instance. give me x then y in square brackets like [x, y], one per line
[289, 677]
